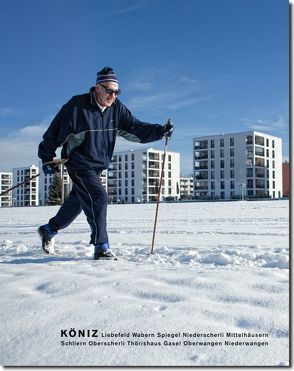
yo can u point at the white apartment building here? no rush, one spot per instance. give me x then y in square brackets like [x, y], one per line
[133, 176]
[26, 194]
[237, 165]
[5, 184]
[186, 188]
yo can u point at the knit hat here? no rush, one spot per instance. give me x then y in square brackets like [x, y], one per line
[106, 74]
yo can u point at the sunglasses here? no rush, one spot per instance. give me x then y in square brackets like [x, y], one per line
[110, 91]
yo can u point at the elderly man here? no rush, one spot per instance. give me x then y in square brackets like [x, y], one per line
[86, 127]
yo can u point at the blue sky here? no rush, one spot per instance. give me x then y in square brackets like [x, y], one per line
[213, 66]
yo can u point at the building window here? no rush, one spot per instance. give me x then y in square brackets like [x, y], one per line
[212, 175]
[212, 143]
[232, 162]
[231, 142]
[232, 173]
[222, 184]
[222, 164]
[267, 143]
[273, 154]
[267, 152]
[274, 164]
[232, 184]
[259, 151]
[259, 140]
[273, 143]
[249, 139]
[274, 174]
[212, 153]
[222, 174]
[222, 142]
[222, 152]
[249, 173]
[212, 185]
[232, 152]
[249, 183]
[212, 164]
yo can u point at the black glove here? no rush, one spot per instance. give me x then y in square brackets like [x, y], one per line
[49, 169]
[168, 129]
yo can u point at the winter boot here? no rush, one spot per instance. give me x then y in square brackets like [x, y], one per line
[102, 251]
[47, 237]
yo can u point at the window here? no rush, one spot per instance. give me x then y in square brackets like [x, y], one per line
[222, 152]
[212, 185]
[274, 174]
[222, 174]
[259, 151]
[232, 173]
[232, 184]
[259, 140]
[273, 154]
[267, 142]
[212, 153]
[273, 143]
[222, 142]
[222, 164]
[249, 183]
[212, 143]
[212, 174]
[222, 184]
[212, 164]
[232, 162]
[249, 139]
[274, 164]
[231, 142]
[249, 173]
[232, 152]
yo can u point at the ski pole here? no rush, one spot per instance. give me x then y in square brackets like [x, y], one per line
[158, 195]
[57, 162]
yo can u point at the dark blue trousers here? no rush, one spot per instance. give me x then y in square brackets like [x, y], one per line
[89, 195]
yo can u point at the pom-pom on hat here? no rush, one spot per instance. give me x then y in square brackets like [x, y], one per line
[106, 74]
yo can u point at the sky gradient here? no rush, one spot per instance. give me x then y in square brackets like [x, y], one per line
[213, 66]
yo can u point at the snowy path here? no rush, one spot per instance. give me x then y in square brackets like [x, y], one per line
[219, 268]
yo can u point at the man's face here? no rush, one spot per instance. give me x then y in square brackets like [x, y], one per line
[104, 96]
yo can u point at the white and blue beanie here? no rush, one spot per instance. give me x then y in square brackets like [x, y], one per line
[106, 74]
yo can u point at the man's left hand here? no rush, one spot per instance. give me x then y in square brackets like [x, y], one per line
[168, 129]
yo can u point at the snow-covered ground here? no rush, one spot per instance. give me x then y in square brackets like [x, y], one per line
[218, 268]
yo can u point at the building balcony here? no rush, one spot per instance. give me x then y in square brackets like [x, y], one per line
[202, 144]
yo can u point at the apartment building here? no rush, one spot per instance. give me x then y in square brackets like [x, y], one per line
[27, 194]
[133, 176]
[186, 188]
[5, 184]
[237, 165]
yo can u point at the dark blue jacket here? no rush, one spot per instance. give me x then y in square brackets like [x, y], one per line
[87, 136]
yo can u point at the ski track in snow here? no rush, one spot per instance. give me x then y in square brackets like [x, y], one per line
[217, 267]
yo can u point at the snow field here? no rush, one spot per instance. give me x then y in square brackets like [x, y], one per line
[217, 267]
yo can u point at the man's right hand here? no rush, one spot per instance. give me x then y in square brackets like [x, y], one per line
[49, 169]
